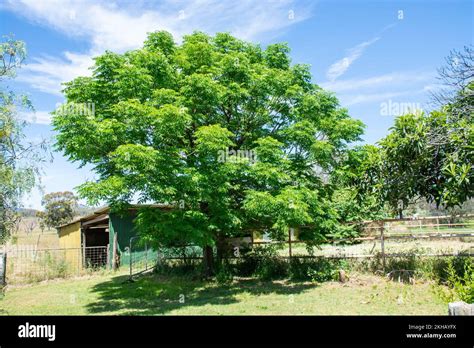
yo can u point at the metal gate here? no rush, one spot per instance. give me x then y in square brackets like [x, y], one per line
[142, 258]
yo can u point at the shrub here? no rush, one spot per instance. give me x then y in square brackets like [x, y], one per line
[275, 268]
[263, 263]
[224, 275]
[191, 269]
[443, 268]
[425, 267]
[460, 284]
[316, 270]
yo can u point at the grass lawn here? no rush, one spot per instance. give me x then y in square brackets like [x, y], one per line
[149, 295]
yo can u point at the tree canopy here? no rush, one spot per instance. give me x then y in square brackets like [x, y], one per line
[427, 155]
[59, 208]
[166, 113]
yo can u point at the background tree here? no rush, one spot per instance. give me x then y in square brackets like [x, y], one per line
[353, 201]
[19, 159]
[428, 156]
[30, 226]
[59, 208]
[456, 78]
[165, 114]
[410, 164]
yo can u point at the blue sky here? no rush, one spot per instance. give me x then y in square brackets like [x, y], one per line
[372, 54]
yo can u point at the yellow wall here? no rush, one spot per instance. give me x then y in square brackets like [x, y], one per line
[70, 236]
[70, 239]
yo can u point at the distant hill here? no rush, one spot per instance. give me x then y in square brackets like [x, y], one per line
[27, 212]
[82, 210]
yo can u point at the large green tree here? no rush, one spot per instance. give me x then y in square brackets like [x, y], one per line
[171, 120]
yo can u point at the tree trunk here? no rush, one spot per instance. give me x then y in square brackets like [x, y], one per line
[208, 260]
[221, 250]
[208, 257]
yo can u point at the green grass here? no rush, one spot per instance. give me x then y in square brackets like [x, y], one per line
[151, 295]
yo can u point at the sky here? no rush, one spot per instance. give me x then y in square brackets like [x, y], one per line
[379, 57]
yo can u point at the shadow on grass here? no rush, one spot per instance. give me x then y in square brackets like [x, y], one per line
[158, 295]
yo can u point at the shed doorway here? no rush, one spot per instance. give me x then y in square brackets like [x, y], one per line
[95, 234]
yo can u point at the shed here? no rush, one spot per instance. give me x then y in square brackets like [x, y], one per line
[101, 238]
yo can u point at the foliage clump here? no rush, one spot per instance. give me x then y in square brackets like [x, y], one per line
[59, 208]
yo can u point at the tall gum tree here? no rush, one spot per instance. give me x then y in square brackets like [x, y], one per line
[20, 159]
[166, 113]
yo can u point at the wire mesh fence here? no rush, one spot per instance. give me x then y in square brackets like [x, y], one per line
[28, 264]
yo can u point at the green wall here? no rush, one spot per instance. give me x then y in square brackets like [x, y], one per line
[124, 228]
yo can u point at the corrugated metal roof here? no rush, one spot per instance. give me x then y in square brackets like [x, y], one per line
[106, 209]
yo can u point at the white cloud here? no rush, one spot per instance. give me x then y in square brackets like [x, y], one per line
[46, 73]
[371, 97]
[339, 67]
[381, 87]
[108, 26]
[38, 117]
[433, 87]
[391, 80]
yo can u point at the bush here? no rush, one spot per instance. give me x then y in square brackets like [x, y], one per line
[224, 275]
[191, 269]
[460, 284]
[263, 263]
[316, 270]
[443, 268]
[424, 267]
[275, 268]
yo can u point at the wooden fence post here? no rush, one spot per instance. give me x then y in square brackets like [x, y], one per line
[130, 259]
[108, 257]
[289, 242]
[78, 258]
[84, 250]
[382, 244]
[114, 253]
[146, 256]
